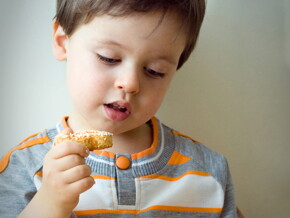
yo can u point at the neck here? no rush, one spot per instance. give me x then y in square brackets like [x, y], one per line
[133, 141]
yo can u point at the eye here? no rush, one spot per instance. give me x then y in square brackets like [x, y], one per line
[107, 60]
[154, 73]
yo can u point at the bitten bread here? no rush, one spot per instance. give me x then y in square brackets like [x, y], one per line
[92, 139]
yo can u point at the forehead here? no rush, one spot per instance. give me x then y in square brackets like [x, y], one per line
[149, 25]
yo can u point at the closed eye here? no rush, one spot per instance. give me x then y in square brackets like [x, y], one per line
[154, 73]
[107, 60]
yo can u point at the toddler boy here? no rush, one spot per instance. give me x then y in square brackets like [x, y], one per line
[121, 57]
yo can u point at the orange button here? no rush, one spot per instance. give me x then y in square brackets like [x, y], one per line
[123, 163]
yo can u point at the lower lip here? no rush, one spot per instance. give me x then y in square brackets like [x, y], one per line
[116, 115]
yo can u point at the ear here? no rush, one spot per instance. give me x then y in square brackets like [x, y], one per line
[59, 41]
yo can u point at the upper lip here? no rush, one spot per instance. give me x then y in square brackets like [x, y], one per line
[121, 104]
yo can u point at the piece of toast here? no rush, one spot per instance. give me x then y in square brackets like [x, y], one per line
[92, 139]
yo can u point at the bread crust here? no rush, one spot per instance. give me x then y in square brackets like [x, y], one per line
[92, 139]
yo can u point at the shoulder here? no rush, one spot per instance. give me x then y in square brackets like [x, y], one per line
[202, 157]
[29, 153]
[192, 147]
[197, 150]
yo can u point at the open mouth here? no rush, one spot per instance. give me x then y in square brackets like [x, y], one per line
[117, 111]
[117, 107]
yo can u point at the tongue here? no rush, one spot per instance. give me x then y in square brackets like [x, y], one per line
[116, 113]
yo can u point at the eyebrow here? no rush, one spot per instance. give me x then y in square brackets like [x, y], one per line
[111, 42]
[168, 59]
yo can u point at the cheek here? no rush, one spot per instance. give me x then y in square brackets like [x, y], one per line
[84, 72]
[86, 83]
[152, 103]
[160, 93]
[87, 87]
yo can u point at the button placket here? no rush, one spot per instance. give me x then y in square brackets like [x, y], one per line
[125, 181]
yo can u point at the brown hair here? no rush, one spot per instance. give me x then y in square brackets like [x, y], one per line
[71, 14]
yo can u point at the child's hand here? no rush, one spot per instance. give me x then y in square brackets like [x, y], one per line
[65, 174]
[65, 177]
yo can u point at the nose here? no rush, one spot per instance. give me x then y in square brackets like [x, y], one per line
[128, 82]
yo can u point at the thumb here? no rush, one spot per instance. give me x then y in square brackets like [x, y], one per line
[66, 131]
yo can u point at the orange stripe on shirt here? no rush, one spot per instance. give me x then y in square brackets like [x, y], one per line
[178, 158]
[157, 207]
[186, 136]
[154, 144]
[5, 160]
[102, 177]
[35, 134]
[39, 174]
[171, 179]
[104, 153]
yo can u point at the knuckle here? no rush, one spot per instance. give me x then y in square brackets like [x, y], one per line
[83, 170]
[63, 148]
[89, 170]
[76, 159]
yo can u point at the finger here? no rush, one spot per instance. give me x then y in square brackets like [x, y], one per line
[69, 162]
[68, 148]
[82, 185]
[76, 173]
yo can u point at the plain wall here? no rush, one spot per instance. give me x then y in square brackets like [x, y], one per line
[232, 95]
[33, 91]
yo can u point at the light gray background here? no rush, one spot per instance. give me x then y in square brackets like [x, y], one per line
[233, 95]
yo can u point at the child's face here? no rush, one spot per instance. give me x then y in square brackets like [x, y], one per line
[119, 69]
